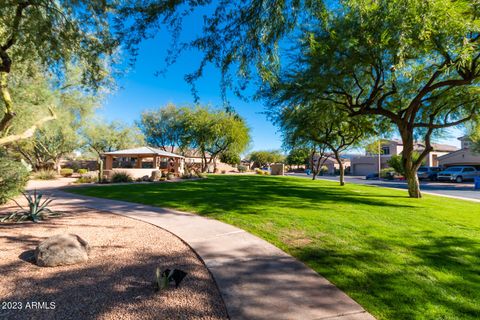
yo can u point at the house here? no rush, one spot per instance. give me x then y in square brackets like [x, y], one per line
[464, 156]
[139, 162]
[332, 164]
[369, 163]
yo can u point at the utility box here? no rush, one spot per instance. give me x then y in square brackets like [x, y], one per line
[477, 183]
[277, 169]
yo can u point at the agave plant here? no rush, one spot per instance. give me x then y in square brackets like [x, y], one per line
[37, 209]
[163, 279]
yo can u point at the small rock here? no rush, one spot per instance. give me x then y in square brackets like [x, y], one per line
[62, 249]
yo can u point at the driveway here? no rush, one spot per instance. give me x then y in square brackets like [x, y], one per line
[462, 190]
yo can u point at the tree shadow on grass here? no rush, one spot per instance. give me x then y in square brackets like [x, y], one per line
[244, 195]
[439, 278]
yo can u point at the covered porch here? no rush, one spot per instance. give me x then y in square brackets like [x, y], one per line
[140, 162]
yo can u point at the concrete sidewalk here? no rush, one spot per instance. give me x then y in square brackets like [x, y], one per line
[256, 279]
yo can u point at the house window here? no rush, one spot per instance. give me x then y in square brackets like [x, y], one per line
[385, 150]
[163, 163]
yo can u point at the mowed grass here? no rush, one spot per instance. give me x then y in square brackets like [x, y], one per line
[400, 258]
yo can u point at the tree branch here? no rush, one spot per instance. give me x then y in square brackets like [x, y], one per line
[29, 132]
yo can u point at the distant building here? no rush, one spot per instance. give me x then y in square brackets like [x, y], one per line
[464, 156]
[332, 164]
[363, 165]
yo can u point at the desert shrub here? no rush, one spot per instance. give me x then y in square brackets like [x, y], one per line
[170, 176]
[66, 172]
[89, 177]
[37, 209]
[267, 173]
[387, 173]
[258, 171]
[323, 170]
[202, 175]
[82, 171]
[187, 176]
[45, 175]
[156, 175]
[242, 169]
[13, 178]
[224, 171]
[163, 179]
[121, 176]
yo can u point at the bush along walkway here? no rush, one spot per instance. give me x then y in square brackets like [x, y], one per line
[256, 279]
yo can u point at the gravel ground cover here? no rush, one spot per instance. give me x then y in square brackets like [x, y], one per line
[116, 281]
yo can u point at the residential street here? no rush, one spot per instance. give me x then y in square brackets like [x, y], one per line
[464, 190]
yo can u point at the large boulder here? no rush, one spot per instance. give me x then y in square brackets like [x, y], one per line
[62, 249]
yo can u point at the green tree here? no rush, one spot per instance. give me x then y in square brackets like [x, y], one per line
[475, 138]
[51, 35]
[216, 132]
[13, 178]
[100, 137]
[56, 138]
[266, 157]
[396, 162]
[231, 158]
[165, 128]
[298, 156]
[325, 126]
[415, 64]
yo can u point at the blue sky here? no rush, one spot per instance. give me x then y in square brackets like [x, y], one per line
[140, 89]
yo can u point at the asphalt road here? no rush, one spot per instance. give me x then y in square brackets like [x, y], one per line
[463, 190]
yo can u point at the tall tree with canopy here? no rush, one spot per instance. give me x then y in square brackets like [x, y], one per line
[322, 124]
[165, 128]
[266, 157]
[100, 137]
[413, 63]
[216, 132]
[55, 139]
[51, 35]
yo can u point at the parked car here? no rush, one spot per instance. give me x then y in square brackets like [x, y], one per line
[458, 174]
[372, 176]
[429, 173]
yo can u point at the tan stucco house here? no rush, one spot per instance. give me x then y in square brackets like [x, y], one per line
[368, 163]
[464, 156]
[139, 162]
[332, 164]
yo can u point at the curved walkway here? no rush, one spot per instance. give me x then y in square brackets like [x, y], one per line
[256, 279]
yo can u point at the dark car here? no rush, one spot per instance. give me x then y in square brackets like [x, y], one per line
[458, 174]
[429, 173]
[372, 176]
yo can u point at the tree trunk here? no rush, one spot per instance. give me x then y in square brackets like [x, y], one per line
[100, 170]
[58, 167]
[7, 100]
[409, 168]
[312, 166]
[341, 167]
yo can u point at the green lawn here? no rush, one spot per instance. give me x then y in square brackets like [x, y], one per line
[400, 258]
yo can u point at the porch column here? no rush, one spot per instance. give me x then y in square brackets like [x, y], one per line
[155, 162]
[138, 163]
[108, 162]
[175, 165]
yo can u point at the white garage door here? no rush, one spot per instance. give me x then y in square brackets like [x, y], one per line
[362, 169]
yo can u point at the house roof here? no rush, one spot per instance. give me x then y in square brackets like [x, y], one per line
[143, 151]
[437, 147]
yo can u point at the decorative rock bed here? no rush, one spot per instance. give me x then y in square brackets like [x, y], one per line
[115, 282]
